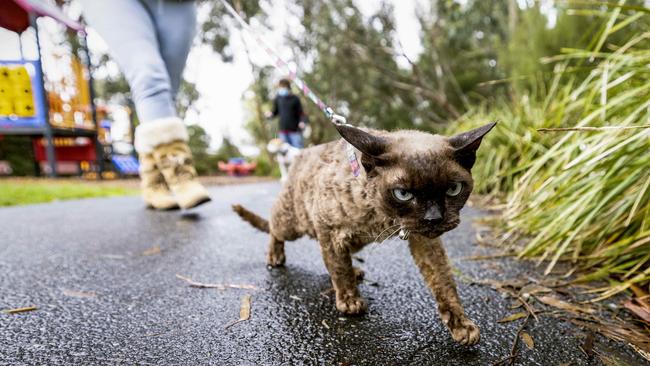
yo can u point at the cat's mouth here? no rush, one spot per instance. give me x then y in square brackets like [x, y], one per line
[428, 231]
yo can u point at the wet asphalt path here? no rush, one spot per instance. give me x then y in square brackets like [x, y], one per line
[102, 274]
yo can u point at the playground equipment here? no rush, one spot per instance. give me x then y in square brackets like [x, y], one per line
[237, 167]
[61, 116]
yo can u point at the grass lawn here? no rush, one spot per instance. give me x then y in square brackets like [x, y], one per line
[27, 191]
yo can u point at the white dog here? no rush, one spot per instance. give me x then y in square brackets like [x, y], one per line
[284, 153]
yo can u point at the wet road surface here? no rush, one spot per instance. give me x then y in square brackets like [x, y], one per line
[102, 273]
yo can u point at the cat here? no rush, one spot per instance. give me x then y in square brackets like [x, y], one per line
[407, 181]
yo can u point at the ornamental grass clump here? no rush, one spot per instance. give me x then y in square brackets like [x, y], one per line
[581, 196]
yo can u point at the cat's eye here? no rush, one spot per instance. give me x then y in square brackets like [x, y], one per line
[455, 189]
[402, 194]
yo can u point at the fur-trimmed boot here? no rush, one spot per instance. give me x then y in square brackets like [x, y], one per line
[155, 192]
[166, 141]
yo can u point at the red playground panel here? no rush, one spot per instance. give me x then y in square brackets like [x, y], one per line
[236, 167]
[71, 149]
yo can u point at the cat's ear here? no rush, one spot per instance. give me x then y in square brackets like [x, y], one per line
[465, 144]
[367, 143]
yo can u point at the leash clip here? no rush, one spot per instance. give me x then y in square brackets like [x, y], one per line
[339, 120]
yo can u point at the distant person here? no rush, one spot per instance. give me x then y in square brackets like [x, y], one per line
[292, 117]
[150, 40]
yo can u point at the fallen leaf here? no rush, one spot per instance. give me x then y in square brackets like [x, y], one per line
[20, 310]
[557, 303]
[513, 317]
[244, 311]
[113, 256]
[528, 340]
[79, 294]
[152, 251]
[640, 311]
[325, 324]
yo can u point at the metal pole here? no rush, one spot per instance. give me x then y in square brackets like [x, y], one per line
[49, 135]
[131, 107]
[99, 148]
[20, 46]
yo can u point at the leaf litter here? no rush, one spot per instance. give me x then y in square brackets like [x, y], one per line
[593, 318]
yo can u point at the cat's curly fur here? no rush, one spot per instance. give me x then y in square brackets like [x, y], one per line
[323, 199]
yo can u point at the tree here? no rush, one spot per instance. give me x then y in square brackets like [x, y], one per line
[460, 50]
[350, 62]
[199, 143]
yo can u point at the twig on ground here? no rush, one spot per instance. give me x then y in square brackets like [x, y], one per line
[20, 310]
[485, 257]
[219, 286]
[325, 293]
[529, 309]
[510, 360]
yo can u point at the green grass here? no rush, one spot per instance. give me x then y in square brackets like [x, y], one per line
[23, 192]
[582, 196]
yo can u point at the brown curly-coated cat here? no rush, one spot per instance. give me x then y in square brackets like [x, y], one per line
[408, 181]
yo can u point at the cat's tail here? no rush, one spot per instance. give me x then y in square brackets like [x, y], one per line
[257, 221]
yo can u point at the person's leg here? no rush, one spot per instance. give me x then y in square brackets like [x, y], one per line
[284, 136]
[128, 27]
[295, 139]
[129, 31]
[175, 23]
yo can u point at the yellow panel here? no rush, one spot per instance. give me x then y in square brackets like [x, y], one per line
[19, 74]
[6, 108]
[24, 107]
[4, 72]
[6, 95]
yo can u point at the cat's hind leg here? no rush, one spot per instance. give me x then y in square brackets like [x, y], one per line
[275, 256]
[429, 255]
[338, 261]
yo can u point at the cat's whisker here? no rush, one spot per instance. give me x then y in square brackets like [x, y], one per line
[372, 248]
[383, 231]
[390, 236]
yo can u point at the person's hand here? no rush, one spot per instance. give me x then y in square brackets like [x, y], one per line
[302, 125]
[268, 114]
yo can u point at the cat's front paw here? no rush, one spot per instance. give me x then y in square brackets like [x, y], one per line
[463, 330]
[276, 258]
[351, 305]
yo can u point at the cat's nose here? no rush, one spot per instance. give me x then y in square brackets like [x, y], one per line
[433, 215]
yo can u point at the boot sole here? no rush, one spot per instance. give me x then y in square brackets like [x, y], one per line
[196, 203]
[170, 208]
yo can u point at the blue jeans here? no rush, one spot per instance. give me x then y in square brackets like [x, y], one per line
[292, 138]
[150, 40]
